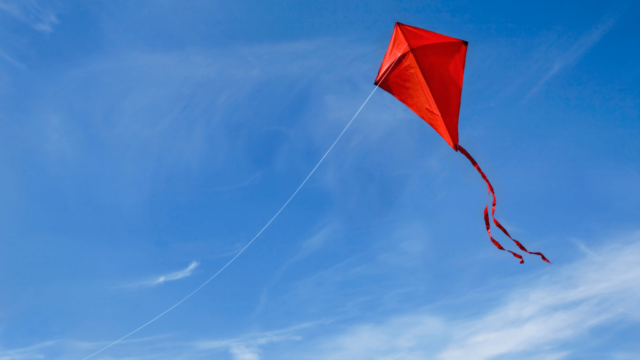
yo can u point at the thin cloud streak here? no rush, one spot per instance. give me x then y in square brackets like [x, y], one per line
[307, 247]
[66, 349]
[31, 13]
[240, 185]
[583, 45]
[11, 60]
[177, 275]
[535, 319]
[248, 347]
[29, 352]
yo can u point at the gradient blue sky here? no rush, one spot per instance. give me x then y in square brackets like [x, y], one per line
[143, 144]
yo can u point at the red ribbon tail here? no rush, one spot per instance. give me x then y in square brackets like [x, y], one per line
[494, 241]
[518, 242]
[493, 210]
[517, 255]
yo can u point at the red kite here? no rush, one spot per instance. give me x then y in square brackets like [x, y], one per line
[424, 70]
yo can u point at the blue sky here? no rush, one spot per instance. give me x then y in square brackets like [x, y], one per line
[143, 144]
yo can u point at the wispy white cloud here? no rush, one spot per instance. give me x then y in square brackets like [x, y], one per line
[248, 347]
[252, 180]
[242, 353]
[535, 319]
[65, 349]
[560, 307]
[41, 18]
[210, 89]
[10, 59]
[177, 275]
[29, 352]
[581, 47]
[307, 247]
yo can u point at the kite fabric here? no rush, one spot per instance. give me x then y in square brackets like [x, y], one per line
[424, 70]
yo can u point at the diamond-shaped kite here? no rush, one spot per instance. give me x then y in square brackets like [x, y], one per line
[424, 70]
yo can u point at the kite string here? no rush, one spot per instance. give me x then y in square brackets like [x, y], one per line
[261, 230]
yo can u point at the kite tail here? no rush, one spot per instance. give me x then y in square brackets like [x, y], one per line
[493, 210]
[516, 241]
[494, 241]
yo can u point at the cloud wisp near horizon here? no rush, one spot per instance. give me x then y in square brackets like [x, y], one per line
[539, 318]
